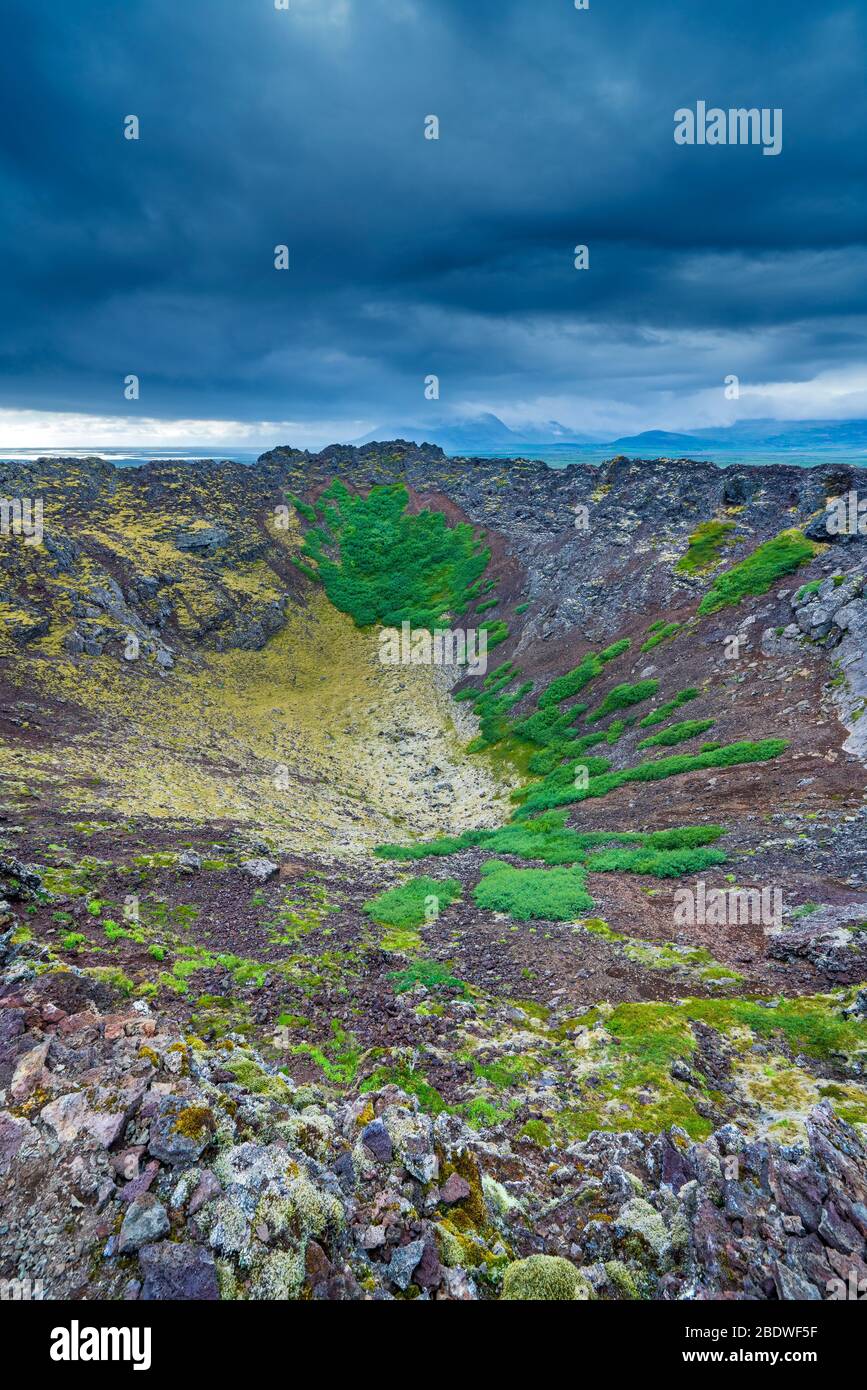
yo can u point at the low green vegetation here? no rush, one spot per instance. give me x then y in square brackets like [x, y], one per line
[621, 697]
[553, 895]
[548, 728]
[660, 632]
[678, 733]
[497, 632]
[705, 547]
[807, 1024]
[383, 564]
[808, 589]
[412, 903]
[731, 755]
[338, 1057]
[433, 974]
[757, 572]
[666, 863]
[659, 716]
[549, 841]
[574, 681]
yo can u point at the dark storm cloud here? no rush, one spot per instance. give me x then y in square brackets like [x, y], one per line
[409, 256]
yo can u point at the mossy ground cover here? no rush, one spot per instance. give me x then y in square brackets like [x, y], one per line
[705, 547]
[811, 1025]
[695, 962]
[757, 572]
[413, 903]
[210, 742]
[731, 755]
[677, 733]
[666, 710]
[611, 1068]
[383, 564]
[630, 1050]
[554, 895]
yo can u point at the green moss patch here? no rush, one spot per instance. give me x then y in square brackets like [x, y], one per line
[382, 564]
[555, 895]
[705, 547]
[757, 572]
[412, 903]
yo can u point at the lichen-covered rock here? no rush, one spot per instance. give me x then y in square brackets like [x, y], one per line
[146, 1221]
[639, 1218]
[403, 1263]
[544, 1278]
[260, 870]
[180, 1133]
[178, 1271]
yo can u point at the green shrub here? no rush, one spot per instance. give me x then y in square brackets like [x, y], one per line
[616, 649]
[677, 733]
[730, 755]
[492, 710]
[390, 566]
[668, 863]
[303, 508]
[554, 895]
[572, 683]
[433, 974]
[758, 571]
[497, 632]
[548, 758]
[659, 716]
[684, 837]
[661, 634]
[705, 547]
[407, 905]
[621, 697]
[548, 840]
[547, 725]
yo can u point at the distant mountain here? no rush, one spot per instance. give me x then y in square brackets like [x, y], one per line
[760, 434]
[658, 439]
[487, 433]
[484, 432]
[787, 434]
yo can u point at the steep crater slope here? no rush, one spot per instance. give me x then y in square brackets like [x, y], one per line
[165, 658]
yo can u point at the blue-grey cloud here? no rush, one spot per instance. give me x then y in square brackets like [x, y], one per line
[410, 256]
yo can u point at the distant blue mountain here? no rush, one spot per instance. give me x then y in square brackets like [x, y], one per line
[767, 435]
[658, 440]
[488, 433]
[479, 432]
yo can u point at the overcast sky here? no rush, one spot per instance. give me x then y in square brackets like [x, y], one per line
[412, 257]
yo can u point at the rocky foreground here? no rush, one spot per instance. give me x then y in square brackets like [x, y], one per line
[138, 1164]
